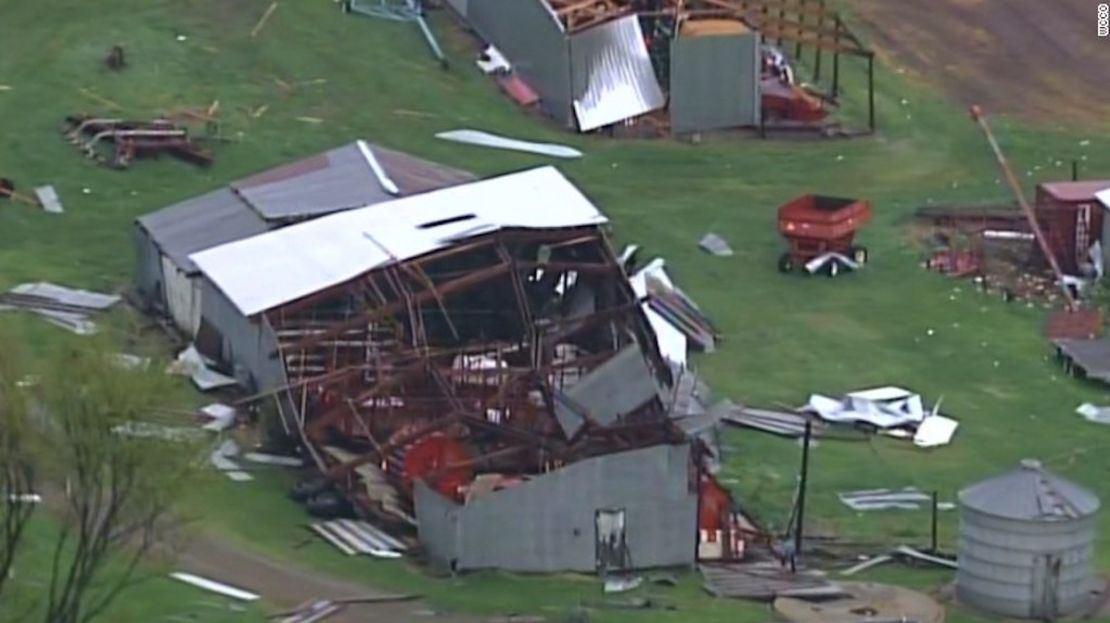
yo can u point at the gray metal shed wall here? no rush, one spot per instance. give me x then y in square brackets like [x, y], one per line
[148, 272]
[527, 33]
[714, 82]
[997, 559]
[548, 523]
[246, 345]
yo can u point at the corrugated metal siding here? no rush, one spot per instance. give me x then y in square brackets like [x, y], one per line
[246, 344]
[148, 274]
[547, 524]
[530, 36]
[611, 74]
[438, 525]
[714, 82]
[201, 223]
[999, 559]
[182, 297]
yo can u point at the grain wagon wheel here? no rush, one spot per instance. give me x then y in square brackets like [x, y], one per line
[786, 263]
[859, 255]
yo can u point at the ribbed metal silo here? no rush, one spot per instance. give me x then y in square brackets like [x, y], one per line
[1026, 544]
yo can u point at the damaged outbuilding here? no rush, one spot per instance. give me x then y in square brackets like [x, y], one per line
[472, 350]
[351, 176]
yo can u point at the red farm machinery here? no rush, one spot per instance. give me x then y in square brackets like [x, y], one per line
[820, 231]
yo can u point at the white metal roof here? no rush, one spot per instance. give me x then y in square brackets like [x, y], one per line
[274, 268]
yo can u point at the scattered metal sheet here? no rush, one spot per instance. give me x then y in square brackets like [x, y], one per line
[883, 407]
[195, 365]
[909, 552]
[867, 564]
[934, 431]
[909, 498]
[1091, 356]
[384, 180]
[149, 430]
[216, 587]
[716, 245]
[221, 417]
[491, 61]
[274, 459]
[311, 612]
[783, 423]
[620, 80]
[486, 139]
[78, 324]
[48, 199]
[621, 584]
[221, 460]
[359, 537]
[1092, 413]
[67, 296]
[764, 581]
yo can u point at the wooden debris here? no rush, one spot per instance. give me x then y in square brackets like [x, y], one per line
[314, 81]
[415, 113]
[261, 110]
[310, 119]
[262, 20]
[5, 87]
[100, 98]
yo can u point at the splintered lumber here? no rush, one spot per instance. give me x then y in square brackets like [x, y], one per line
[100, 98]
[262, 20]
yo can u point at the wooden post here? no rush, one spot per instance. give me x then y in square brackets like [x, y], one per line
[871, 92]
[933, 541]
[800, 520]
[820, 42]
[836, 58]
[1074, 170]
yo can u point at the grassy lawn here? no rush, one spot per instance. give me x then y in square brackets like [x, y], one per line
[785, 337]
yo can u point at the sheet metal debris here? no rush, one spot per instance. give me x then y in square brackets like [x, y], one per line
[220, 417]
[150, 430]
[765, 581]
[195, 365]
[216, 587]
[67, 308]
[909, 498]
[1092, 413]
[621, 584]
[274, 459]
[783, 423]
[48, 199]
[672, 305]
[909, 552]
[868, 564]
[935, 430]
[491, 61]
[359, 537]
[621, 82]
[312, 611]
[127, 361]
[486, 139]
[221, 460]
[716, 245]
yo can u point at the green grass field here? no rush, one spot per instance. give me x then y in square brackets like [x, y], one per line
[785, 337]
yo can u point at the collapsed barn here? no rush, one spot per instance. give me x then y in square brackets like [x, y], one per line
[474, 351]
[355, 175]
[684, 65]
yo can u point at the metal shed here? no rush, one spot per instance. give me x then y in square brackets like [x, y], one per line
[355, 175]
[625, 510]
[1026, 544]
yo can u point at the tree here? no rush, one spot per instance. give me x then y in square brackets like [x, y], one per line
[17, 474]
[118, 490]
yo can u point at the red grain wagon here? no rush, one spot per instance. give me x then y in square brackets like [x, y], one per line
[817, 226]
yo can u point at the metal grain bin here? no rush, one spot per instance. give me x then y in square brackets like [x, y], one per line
[1026, 544]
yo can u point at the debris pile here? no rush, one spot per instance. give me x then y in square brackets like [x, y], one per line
[132, 139]
[895, 411]
[67, 308]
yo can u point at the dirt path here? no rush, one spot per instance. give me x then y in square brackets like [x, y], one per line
[1038, 59]
[285, 586]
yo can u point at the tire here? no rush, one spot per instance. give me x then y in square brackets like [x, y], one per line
[859, 255]
[833, 268]
[786, 263]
